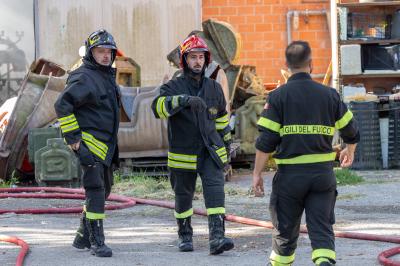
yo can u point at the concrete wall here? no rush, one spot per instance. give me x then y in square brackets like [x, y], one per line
[146, 30]
[262, 25]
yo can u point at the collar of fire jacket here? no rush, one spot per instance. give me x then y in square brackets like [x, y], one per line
[300, 76]
[108, 69]
[194, 83]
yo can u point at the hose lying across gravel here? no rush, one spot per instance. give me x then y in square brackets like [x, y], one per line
[126, 202]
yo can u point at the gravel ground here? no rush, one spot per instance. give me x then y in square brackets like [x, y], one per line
[145, 235]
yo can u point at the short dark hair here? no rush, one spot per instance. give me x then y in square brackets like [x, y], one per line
[298, 54]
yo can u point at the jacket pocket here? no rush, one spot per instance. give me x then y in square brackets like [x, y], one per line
[85, 156]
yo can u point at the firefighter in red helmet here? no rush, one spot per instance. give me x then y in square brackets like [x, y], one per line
[199, 139]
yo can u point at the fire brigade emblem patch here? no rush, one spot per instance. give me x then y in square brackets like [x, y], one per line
[213, 110]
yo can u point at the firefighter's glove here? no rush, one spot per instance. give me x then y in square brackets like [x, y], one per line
[196, 104]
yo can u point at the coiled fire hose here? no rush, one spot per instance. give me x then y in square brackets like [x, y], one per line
[126, 202]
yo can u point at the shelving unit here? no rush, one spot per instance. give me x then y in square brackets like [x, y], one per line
[368, 31]
[378, 79]
[389, 41]
[370, 4]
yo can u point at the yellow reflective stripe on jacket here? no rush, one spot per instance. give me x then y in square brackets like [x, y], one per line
[222, 122]
[175, 101]
[308, 158]
[183, 215]
[95, 150]
[269, 124]
[95, 216]
[224, 158]
[95, 141]
[221, 151]
[346, 118]
[68, 123]
[278, 260]
[222, 154]
[323, 253]
[70, 127]
[218, 210]
[307, 129]
[96, 146]
[161, 108]
[181, 165]
[67, 119]
[182, 157]
[182, 161]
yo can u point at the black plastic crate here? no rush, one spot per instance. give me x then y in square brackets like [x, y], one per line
[394, 135]
[368, 153]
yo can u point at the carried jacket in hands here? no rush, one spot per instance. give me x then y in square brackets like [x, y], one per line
[190, 132]
[88, 110]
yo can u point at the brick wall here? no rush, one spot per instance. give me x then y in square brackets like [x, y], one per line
[262, 25]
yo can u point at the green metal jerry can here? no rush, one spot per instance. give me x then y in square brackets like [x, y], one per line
[56, 164]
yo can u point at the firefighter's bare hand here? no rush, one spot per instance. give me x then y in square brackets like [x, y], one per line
[346, 158]
[258, 185]
[75, 146]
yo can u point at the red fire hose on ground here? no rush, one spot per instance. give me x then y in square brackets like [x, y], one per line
[126, 202]
[24, 247]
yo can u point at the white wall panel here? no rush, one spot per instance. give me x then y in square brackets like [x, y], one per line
[146, 30]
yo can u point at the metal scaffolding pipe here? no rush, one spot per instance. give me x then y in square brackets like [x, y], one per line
[291, 13]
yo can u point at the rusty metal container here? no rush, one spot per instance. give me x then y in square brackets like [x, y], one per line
[33, 109]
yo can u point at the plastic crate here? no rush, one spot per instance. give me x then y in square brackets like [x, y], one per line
[368, 153]
[394, 135]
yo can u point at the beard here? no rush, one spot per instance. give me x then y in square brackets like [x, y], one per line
[197, 70]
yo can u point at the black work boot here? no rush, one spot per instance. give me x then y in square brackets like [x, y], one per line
[81, 240]
[218, 242]
[98, 247]
[185, 233]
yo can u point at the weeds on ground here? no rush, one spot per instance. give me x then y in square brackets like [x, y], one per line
[347, 177]
[9, 183]
[349, 196]
[143, 186]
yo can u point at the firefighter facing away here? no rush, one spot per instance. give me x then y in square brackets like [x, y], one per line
[298, 123]
[199, 136]
[91, 95]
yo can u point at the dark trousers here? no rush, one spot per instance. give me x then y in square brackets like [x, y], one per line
[295, 188]
[184, 185]
[97, 181]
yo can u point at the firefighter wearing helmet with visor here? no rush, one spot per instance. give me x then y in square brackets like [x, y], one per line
[91, 95]
[199, 138]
